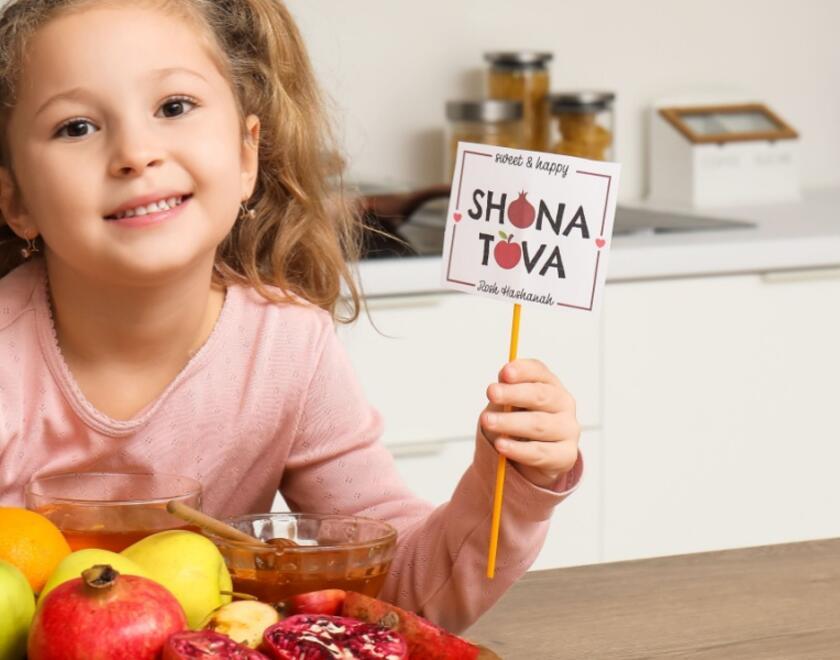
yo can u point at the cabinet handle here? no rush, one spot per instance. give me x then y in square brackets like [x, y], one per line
[404, 302]
[800, 275]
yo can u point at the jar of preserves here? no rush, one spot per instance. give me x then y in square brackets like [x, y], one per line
[523, 76]
[485, 121]
[584, 122]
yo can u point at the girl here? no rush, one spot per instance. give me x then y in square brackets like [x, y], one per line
[172, 260]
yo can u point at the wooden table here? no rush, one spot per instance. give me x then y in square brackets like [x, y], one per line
[771, 602]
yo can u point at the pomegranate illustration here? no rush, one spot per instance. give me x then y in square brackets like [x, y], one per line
[507, 254]
[521, 212]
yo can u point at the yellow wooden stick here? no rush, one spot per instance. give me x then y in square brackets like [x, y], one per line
[500, 469]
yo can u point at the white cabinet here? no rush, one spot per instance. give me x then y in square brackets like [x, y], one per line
[709, 406]
[432, 470]
[426, 360]
[721, 424]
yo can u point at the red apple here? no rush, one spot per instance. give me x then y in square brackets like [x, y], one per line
[326, 601]
[507, 254]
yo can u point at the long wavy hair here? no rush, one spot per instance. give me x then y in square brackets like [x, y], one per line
[304, 234]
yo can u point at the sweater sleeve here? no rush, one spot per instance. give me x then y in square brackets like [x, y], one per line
[337, 465]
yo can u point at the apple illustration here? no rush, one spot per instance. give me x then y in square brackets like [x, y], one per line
[507, 254]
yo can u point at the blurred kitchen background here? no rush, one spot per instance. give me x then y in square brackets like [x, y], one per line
[389, 67]
[708, 386]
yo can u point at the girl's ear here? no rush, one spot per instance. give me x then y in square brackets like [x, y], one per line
[250, 155]
[13, 212]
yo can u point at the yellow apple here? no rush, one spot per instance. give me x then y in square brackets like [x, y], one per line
[190, 566]
[76, 562]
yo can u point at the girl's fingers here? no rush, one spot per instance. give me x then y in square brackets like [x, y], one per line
[548, 456]
[531, 396]
[527, 371]
[531, 425]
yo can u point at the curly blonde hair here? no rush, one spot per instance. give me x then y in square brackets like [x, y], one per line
[304, 233]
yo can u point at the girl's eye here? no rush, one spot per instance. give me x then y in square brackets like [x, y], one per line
[75, 128]
[176, 106]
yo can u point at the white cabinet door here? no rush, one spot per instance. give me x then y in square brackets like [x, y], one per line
[432, 470]
[721, 413]
[428, 370]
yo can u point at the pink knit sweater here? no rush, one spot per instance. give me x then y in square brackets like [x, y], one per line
[270, 401]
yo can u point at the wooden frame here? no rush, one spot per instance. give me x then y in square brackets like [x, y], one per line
[674, 116]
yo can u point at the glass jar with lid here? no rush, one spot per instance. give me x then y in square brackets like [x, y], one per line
[485, 121]
[523, 76]
[584, 123]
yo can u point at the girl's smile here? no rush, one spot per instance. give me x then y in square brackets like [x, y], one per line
[141, 213]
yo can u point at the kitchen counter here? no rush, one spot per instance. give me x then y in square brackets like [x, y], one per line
[770, 602]
[790, 236]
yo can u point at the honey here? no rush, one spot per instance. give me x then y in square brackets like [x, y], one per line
[274, 579]
[110, 529]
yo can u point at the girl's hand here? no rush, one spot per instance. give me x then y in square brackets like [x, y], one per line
[541, 433]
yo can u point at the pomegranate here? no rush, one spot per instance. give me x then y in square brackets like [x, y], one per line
[317, 637]
[521, 212]
[425, 639]
[104, 615]
[325, 601]
[207, 644]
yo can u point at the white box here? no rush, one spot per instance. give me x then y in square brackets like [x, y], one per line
[693, 169]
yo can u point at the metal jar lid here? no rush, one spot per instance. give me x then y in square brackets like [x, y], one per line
[485, 110]
[518, 59]
[582, 102]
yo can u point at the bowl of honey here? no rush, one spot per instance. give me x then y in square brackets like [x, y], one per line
[111, 510]
[304, 552]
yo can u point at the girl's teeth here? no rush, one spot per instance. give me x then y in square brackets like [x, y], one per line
[154, 207]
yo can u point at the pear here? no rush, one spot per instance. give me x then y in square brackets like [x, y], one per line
[73, 564]
[190, 566]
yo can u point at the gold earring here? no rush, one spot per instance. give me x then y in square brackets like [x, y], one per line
[30, 249]
[246, 212]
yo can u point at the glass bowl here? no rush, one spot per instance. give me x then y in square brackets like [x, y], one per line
[332, 552]
[111, 510]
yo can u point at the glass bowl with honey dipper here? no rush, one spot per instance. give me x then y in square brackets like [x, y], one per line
[273, 556]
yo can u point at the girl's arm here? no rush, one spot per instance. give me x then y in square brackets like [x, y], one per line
[337, 465]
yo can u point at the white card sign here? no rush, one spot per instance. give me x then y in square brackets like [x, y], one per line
[528, 227]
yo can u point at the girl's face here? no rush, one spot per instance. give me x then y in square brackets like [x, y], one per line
[122, 106]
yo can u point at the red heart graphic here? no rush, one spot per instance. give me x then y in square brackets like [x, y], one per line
[600, 242]
[457, 217]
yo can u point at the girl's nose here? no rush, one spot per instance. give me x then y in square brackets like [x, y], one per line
[134, 153]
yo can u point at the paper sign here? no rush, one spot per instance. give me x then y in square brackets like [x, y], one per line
[528, 227]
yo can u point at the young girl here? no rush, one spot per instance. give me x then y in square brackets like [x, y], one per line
[172, 256]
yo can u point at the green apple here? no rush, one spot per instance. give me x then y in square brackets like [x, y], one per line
[190, 566]
[76, 562]
[17, 607]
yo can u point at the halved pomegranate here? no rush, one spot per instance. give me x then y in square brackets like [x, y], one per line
[321, 637]
[206, 644]
[425, 639]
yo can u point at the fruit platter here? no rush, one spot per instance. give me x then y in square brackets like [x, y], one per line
[185, 593]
